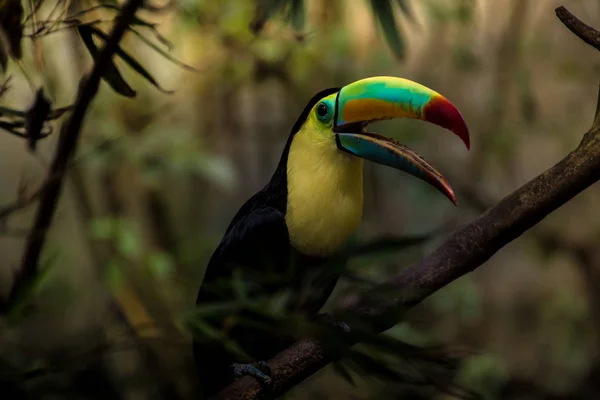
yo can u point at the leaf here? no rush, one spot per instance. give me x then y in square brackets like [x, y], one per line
[343, 371]
[388, 245]
[162, 52]
[297, 14]
[36, 118]
[136, 21]
[59, 112]
[102, 228]
[5, 111]
[12, 127]
[214, 309]
[112, 76]
[128, 243]
[114, 274]
[26, 295]
[140, 22]
[132, 62]
[160, 263]
[11, 13]
[369, 365]
[383, 12]
[238, 285]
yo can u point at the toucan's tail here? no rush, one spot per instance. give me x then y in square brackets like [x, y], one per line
[213, 365]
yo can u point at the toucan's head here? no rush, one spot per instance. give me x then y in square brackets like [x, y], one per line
[341, 116]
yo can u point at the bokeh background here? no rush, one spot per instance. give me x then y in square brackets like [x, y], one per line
[158, 177]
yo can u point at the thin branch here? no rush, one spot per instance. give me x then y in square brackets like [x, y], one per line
[585, 32]
[468, 248]
[67, 145]
[19, 204]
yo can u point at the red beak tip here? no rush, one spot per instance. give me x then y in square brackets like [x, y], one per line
[453, 200]
[448, 192]
[441, 112]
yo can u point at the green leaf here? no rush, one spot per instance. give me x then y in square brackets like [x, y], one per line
[297, 14]
[160, 263]
[162, 52]
[129, 60]
[5, 111]
[372, 366]
[129, 244]
[54, 114]
[102, 228]
[202, 331]
[135, 21]
[383, 12]
[386, 245]
[59, 112]
[29, 291]
[343, 371]
[11, 128]
[114, 274]
[464, 11]
[112, 76]
[239, 287]
[213, 309]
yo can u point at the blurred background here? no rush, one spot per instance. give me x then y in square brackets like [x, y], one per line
[157, 179]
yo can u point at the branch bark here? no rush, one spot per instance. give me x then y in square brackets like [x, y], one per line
[67, 145]
[586, 33]
[465, 250]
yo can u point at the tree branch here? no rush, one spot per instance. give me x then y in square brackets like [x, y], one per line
[586, 33]
[465, 250]
[67, 145]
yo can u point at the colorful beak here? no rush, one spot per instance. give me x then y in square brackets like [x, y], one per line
[379, 98]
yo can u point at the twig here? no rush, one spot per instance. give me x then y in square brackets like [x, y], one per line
[19, 204]
[67, 144]
[586, 33]
[465, 250]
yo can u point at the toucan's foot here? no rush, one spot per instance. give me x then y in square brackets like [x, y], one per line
[328, 319]
[259, 371]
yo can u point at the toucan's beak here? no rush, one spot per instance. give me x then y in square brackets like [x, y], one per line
[378, 98]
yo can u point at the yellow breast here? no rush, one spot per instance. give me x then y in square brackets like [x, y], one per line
[325, 194]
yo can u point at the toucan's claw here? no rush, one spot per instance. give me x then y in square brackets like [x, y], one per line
[259, 371]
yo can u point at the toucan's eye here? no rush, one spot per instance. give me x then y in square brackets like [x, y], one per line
[323, 112]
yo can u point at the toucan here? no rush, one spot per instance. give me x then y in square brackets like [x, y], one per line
[282, 241]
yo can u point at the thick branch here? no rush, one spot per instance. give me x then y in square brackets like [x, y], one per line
[66, 149]
[468, 248]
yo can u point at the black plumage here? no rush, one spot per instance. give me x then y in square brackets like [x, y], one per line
[257, 241]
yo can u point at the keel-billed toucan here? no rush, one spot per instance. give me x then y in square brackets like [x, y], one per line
[284, 236]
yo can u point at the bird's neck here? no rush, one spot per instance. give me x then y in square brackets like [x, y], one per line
[325, 195]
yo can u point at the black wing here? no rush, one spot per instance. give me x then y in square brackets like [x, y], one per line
[257, 243]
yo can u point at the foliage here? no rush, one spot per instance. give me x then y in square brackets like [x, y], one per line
[161, 174]
[294, 11]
